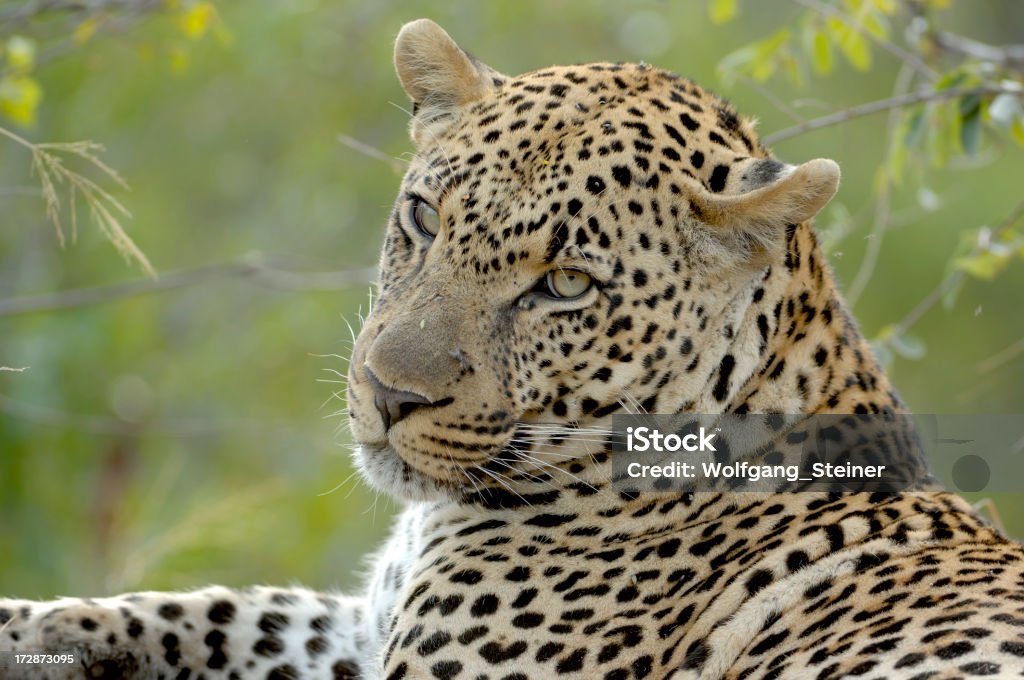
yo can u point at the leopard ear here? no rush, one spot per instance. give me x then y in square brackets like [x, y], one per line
[438, 75]
[761, 197]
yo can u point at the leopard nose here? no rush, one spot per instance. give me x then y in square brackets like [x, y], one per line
[393, 405]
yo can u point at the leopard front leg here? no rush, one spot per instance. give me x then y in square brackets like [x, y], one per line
[216, 633]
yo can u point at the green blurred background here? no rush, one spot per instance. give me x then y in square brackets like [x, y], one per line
[186, 437]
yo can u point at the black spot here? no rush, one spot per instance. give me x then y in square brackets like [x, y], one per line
[283, 672]
[482, 526]
[688, 121]
[346, 670]
[170, 611]
[573, 662]
[718, 178]
[518, 574]
[273, 622]
[221, 611]
[494, 653]
[954, 650]
[548, 650]
[559, 238]
[172, 653]
[728, 119]
[558, 89]
[434, 642]
[321, 624]
[595, 185]
[467, 576]
[215, 640]
[769, 643]
[446, 670]
[485, 605]
[696, 655]
[316, 645]
[622, 175]
[724, 372]
[797, 560]
[268, 645]
[548, 520]
[1015, 648]
[758, 580]
[981, 668]
[674, 134]
[472, 634]
[135, 628]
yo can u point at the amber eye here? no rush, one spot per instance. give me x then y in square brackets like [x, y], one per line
[426, 218]
[567, 283]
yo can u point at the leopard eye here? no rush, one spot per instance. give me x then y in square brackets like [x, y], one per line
[567, 283]
[426, 218]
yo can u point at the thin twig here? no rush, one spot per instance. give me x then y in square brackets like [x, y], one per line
[1010, 57]
[105, 210]
[881, 105]
[953, 278]
[883, 202]
[253, 267]
[172, 427]
[1002, 357]
[910, 59]
[771, 97]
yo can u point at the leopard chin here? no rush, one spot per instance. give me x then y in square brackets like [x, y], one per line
[384, 469]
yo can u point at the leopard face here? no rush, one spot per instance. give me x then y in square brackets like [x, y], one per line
[566, 244]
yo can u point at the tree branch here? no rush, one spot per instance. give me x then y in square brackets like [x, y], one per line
[252, 267]
[1010, 57]
[881, 105]
[883, 202]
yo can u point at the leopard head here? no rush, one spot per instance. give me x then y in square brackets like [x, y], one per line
[566, 244]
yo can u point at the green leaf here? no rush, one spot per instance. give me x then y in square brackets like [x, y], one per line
[819, 48]
[875, 24]
[883, 353]
[887, 7]
[914, 128]
[951, 80]
[1017, 130]
[760, 61]
[852, 44]
[952, 292]
[970, 132]
[21, 54]
[197, 19]
[84, 31]
[984, 265]
[19, 98]
[722, 11]
[908, 346]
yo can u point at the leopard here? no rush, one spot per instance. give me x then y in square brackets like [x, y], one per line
[570, 245]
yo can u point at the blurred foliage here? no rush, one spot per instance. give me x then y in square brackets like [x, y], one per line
[165, 433]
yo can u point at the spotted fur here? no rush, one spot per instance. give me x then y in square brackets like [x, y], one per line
[485, 401]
